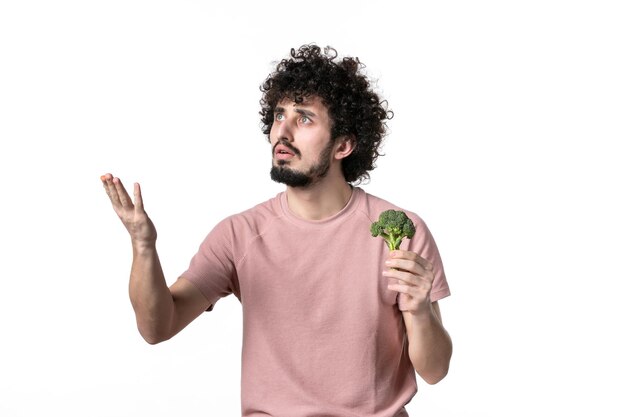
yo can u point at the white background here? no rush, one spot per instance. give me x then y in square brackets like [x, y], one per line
[508, 117]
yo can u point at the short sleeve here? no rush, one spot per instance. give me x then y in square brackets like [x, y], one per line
[212, 268]
[424, 245]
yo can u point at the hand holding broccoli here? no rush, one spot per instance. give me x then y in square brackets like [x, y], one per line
[409, 274]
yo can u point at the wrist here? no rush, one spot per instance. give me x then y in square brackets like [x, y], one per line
[143, 247]
[422, 319]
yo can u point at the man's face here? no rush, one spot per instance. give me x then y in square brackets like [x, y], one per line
[301, 142]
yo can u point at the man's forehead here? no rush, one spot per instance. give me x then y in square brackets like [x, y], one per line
[307, 101]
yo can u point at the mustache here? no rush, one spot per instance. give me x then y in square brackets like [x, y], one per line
[288, 145]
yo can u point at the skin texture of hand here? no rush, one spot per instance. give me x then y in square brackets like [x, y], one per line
[411, 276]
[133, 216]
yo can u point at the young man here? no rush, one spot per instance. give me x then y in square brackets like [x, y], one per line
[334, 324]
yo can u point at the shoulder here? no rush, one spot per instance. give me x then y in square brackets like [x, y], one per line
[231, 236]
[372, 206]
[253, 221]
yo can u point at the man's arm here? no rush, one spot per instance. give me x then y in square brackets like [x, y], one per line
[161, 312]
[430, 346]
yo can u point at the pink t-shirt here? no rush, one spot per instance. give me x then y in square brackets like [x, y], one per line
[322, 334]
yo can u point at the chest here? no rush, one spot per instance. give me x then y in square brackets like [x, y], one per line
[320, 276]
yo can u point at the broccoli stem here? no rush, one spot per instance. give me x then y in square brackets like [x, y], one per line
[392, 242]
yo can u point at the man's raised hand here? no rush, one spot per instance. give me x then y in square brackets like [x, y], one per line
[133, 215]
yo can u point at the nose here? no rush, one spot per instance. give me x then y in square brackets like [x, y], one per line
[282, 131]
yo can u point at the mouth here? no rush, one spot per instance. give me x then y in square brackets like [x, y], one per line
[283, 152]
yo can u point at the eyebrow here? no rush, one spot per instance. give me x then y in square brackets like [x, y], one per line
[279, 109]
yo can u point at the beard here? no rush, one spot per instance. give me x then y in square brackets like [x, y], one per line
[293, 178]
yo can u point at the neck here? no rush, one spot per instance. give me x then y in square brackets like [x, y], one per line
[319, 201]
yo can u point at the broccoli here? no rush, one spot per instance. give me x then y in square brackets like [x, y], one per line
[393, 226]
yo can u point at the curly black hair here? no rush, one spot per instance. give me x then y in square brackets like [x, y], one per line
[354, 108]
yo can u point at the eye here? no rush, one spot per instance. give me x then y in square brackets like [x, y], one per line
[305, 119]
[279, 116]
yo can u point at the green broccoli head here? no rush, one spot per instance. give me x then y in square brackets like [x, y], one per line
[393, 226]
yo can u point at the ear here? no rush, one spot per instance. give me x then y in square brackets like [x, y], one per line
[344, 146]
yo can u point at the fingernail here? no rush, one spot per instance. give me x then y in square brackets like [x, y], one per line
[387, 262]
[102, 177]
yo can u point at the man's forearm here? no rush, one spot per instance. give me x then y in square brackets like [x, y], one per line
[430, 346]
[149, 294]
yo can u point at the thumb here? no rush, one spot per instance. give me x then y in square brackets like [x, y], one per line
[138, 198]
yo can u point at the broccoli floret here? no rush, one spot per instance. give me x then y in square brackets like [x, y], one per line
[393, 226]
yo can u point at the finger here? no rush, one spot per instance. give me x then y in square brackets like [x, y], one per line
[103, 178]
[404, 254]
[399, 253]
[406, 289]
[426, 264]
[403, 276]
[406, 278]
[111, 191]
[406, 265]
[421, 285]
[138, 198]
[122, 194]
[413, 268]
